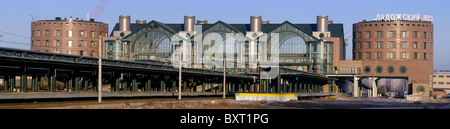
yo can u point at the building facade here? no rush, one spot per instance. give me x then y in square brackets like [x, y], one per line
[307, 47]
[441, 82]
[395, 49]
[68, 36]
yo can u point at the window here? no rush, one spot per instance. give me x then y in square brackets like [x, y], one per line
[81, 33]
[425, 35]
[391, 44]
[92, 53]
[367, 55]
[57, 51]
[70, 43]
[58, 33]
[47, 33]
[38, 43]
[448, 83]
[81, 53]
[69, 52]
[441, 76]
[81, 43]
[378, 34]
[92, 43]
[359, 45]
[415, 34]
[424, 56]
[403, 44]
[368, 45]
[359, 55]
[57, 43]
[415, 45]
[359, 35]
[391, 55]
[403, 34]
[378, 55]
[415, 55]
[70, 33]
[38, 33]
[46, 43]
[403, 55]
[368, 34]
[431, 35]
[92, 34]
[378, 44]
[424, 45]
[391, 34]
[441, 82]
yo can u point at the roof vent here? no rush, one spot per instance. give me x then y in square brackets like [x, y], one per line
[255, 23]
[265, 22]
[189, 22]
[141, 21]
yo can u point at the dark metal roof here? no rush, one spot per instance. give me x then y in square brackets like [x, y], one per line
[336, 30]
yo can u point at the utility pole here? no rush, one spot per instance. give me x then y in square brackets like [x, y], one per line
[100, 70]
[179, 80]
[224, 77]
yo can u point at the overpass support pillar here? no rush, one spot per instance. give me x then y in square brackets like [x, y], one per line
[6, 82]
[52, 80]
[23, 79]
[374, 87]
[356, 87]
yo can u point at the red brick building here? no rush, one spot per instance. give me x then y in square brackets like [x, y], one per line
[67, 36]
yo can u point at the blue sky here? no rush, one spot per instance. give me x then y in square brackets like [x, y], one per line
[16, 14]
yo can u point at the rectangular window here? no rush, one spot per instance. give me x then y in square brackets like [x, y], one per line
[92, 34]
[391, 55]
[57, 51]
[431, 35]
[403, 44]
[81, 33]
[58, 33]
[379, 55]
[378, 34]
[70, 43]
[81, 43]
[46, 43]
[69, 52]
[359, 55]
[70, 33]
[368, 45]
[424, 45]
[368, 34]
[81, 53]
[403, 55]
[424, 56]
[391, 44]
[403, 34]
[415, 45]
[391, 34]
[415, 34]
[92, 43]
[38, 43]
[47, 33]
[38, 33]
[359, 35]
[425, 35]
[378, 44]
[359, 45]
[415, 55]
[57, 43]
[92, 53]
[367, 55]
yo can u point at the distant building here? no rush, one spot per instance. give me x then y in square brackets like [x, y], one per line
[441, 82]
[67, 36]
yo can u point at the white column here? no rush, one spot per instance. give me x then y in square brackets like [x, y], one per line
[374, 87]
[356, 91]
